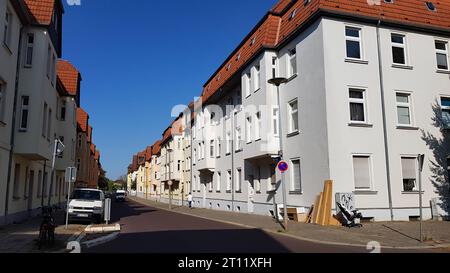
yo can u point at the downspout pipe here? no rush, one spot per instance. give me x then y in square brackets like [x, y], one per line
[383, 110]
[13, 124]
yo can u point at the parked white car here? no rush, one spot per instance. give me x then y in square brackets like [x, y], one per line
[87, 205]
[121, 196]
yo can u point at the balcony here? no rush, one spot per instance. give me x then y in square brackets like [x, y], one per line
[206, 164]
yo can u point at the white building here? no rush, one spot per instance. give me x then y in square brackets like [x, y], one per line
[359, 106]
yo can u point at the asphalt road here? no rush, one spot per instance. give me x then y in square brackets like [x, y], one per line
[149, 230]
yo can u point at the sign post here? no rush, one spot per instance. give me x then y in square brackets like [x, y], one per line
[283, 167]
[70, 178]
[107, 210]
[421, 159]
[170, 194]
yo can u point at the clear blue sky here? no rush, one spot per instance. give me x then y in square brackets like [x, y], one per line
[139, 58]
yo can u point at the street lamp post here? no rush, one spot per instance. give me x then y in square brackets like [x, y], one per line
[277, 82]
[56, 151]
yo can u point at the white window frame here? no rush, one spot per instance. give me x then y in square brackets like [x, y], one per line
[238, 185]
[219, 147]
[2, 101]
[247, 84]
[404, 46]
[29, 47]
[7, 28]
[238, 139]
[444, 52]
[257, 78]
[362, 101]
[212, 146]
[292, 129]
[24, 108]
[292, 63]
[292, 182]
[218, 181]
[248, 129]
[229, 180]
[416, 185]
[258, 126]
[409, 105]
[445, 109]
[358, 39]
[371, 172]
[275, 121]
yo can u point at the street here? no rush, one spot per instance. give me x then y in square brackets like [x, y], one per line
[149, 230]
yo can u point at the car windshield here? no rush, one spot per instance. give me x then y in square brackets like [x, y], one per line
[120, 194]
[86, 195]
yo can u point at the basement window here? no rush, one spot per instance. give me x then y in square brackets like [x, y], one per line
[292, 15]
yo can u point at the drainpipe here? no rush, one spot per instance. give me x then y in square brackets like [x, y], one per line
[13, 124]
[383, 109]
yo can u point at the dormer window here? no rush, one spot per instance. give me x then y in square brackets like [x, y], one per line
[252, 42]
[292, 15]
[430, 6]
[238, 57]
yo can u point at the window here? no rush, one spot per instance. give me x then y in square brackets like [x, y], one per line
[49, 128]
[257, 81]
[296, 179]
[258, 126]
[353, 43]
[25, 103]
[293, 116]
[247, 84]
[228, 143]
[229, 180]
[44, 121]
[16, 181]
[357, 105]
[218, 181]
[211, 149]
[29, 50]
[211, 183]
[179, 165]
[273, 178]
[292, 68]
[445, 106]
[274, 67]
[2, 100]
[61, 154]
[362, 172]
[238, 139]
[219, 147]
[275, 118]
[249, 129]
[404, 109]
[398, 49]
[39, 190]
[258, 180]
[195, 157]
[62, 113]
[7, 28]
[49, 55]
[238, 180]
[442, 55]
[409, 171]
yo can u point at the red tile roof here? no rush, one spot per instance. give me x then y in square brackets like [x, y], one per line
[148, 153]
[275, 27]
[69, 76]
[82, 119]
[89, 133]
[156, 148]
[41, 10]
[92, 149]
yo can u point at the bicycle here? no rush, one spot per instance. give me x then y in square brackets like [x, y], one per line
[47, 228]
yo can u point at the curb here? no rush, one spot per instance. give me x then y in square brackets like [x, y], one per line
[107, 229]
[101, 240]
[302, 238]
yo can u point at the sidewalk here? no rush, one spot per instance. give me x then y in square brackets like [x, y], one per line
[21, 238]
[388, 234]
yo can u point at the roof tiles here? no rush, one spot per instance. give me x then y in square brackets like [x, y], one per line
[69, 76]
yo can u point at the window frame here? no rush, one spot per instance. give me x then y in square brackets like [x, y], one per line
[371, 172]
[29, 46]
[291, 126]
[24, 108]
[408, 105]
[444, 52]
[248, 129]
[404, 46]
[257, 78]
[416, 168]
[238, 181]
[292, 178]
[358, 39]
[258, 126]
[7, 28]
[362, 101]
[292, 68]
[444, 109]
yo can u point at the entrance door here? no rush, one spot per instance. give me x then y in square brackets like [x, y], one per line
[30, 192]
[251, 193]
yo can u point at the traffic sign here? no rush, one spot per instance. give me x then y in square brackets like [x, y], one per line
[283, 166]
[71, 175]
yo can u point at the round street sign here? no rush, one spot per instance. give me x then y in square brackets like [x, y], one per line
[283, 166]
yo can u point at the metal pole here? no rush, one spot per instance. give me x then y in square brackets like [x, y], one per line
[170, 196]
[67, 206]
[53, 173]
[283, 181]
[421, 162]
